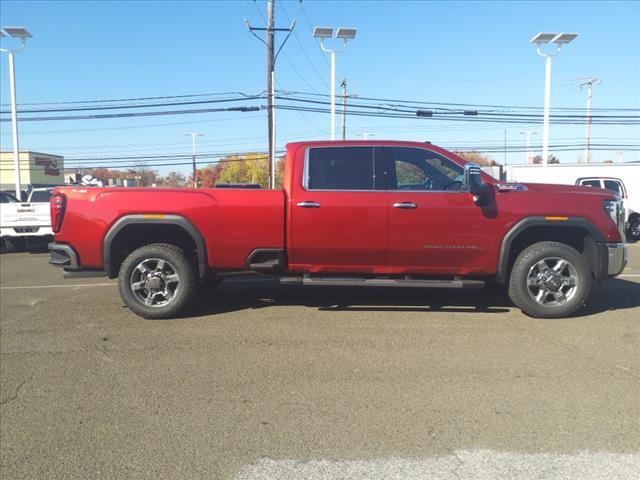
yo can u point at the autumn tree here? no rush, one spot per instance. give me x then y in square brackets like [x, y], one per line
[207, 176]
[477, 157]
[249, 168]
[174, 180]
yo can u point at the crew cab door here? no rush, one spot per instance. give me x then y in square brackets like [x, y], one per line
[434, 226]
[337, 214]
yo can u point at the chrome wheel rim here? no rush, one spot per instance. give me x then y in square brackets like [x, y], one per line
[552, 281]
[154, 282]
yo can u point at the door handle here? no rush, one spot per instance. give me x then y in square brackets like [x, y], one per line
[308, 204]
[405, 205]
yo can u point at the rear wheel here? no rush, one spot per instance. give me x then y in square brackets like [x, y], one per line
[12, 244]
[157, 281]
[549, 280]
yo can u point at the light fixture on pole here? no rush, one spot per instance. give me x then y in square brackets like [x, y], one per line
[528, 133]
[559, 39]
[22, 34]
[343, 34]
[193, 154]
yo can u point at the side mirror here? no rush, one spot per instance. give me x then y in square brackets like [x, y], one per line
[474, 185]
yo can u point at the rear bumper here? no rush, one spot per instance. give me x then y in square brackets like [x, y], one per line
[63, 255]
[26, 231]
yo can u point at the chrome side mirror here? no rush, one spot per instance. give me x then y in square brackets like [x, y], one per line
[474, 185]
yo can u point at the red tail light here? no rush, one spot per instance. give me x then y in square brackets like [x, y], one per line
[57, 204]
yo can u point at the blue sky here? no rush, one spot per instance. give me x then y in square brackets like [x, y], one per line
[462, 52]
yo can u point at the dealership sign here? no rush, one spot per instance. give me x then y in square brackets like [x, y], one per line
[50, 166]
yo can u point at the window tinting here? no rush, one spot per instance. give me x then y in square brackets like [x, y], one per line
[420, 169]
[591, 183]
[341, 168]
[41, 196]
[613, 186]
[7, 198]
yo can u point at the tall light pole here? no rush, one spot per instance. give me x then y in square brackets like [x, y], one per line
[193, 154]
[344, 34]
[22, 34]
[528, 134]
[559, 39]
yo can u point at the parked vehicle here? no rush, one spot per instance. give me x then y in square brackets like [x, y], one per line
[22, 221]
[354, 213]
[616, 185]
[622, 178]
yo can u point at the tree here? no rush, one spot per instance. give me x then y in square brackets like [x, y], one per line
[477, 157]
[550, 159]
[174, 180]
[250, 168]
[208, 176]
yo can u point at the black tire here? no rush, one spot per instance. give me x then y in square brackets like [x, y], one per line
[633, 232]
[12, 244]
[175, 264]
[527, 265]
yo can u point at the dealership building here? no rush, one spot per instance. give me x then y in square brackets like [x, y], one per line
[36, 169]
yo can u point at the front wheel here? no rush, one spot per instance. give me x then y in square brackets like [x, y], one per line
[157, 281]
[549, 280]
[634, 229]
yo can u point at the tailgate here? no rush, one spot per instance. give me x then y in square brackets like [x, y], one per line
[14, 215]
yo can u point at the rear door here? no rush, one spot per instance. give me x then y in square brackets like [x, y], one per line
[434, 227]
[338, 213]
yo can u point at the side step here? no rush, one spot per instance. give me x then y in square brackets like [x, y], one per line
[342, 281]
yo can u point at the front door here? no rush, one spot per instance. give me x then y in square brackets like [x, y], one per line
[434, 226]
[338, 216]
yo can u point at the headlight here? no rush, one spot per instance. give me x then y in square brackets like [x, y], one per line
[615, 209]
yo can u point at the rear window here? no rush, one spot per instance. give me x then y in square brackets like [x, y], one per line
[340, 168]
[40, 196]
[590, 183]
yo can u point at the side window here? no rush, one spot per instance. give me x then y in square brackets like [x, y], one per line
[340, 168]
[614, 186]
[420, 169]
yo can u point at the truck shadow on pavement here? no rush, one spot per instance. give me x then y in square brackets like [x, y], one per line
[235, 295]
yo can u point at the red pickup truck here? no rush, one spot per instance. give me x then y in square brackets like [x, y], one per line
[351, 213]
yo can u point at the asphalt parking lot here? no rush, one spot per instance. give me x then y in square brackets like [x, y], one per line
[272, 382]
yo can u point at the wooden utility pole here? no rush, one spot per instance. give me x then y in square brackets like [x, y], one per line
[271, 94]
[589, 82]
[271, 64]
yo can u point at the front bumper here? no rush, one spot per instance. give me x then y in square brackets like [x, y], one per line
[617, 256]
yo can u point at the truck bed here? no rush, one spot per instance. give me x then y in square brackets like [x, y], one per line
[233, 222]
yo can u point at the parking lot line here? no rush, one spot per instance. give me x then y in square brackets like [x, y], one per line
[58, 286]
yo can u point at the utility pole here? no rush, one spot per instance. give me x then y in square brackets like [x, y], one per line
[344, 108]
[193, 154]
[271, 94]
[589, 82]
[271, 80]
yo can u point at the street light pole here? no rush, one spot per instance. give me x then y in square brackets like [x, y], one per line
[528, 134]
[539, 40]
[193, 154]
[344, 34]
[22, 34]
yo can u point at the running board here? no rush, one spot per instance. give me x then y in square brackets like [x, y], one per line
[340, 281]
